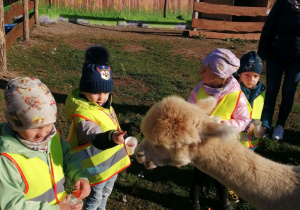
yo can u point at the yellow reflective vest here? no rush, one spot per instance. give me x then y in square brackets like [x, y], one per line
[225, 106]
[248, 139]
[101, 165]
[42, 182]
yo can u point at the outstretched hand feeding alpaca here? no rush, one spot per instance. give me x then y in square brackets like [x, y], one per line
[178, 133]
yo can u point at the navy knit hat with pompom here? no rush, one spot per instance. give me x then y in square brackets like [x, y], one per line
[251, 62]
[96, 73]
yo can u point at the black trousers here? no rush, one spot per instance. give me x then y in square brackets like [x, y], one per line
[197, 185]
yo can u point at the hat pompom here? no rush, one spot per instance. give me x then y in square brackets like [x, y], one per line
[96, 55]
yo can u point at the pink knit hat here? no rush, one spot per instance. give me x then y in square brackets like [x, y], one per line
[222, 62]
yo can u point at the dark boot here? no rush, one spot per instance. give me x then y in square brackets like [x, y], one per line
[196, 189]
[195, 205]
[224, 203]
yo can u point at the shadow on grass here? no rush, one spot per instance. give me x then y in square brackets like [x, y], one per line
[116, 19]
[292, 137]
[144, 31]
[180, 176]
[282, 151]
[169, 200]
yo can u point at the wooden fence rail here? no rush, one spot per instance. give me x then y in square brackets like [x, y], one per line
[16, 31]
[227, 29]
[22, 28]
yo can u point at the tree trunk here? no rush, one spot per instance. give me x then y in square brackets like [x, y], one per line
[26, 21]
[3, 67]
[36, 13]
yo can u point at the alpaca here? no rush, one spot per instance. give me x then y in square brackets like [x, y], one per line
[179, 133]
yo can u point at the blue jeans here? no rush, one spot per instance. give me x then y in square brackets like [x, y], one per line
[99, 194]
[275, 71]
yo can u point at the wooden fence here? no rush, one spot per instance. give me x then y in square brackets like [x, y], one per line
[16, 31]
[22, 28]
[221, 29]
[143, 5]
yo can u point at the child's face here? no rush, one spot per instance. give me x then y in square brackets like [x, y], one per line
[209, 78]
[36, 134]
[249, 78]
[99, 98]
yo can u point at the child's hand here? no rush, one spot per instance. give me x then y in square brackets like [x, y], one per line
[118, 137]
[63, 205]
[250, 128]
[84, 187]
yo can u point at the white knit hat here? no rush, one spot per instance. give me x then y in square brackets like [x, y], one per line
[29, 103]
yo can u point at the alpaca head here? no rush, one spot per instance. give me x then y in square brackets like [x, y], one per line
[173, 128]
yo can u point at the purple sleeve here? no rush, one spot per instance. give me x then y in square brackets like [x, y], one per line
[193, 96]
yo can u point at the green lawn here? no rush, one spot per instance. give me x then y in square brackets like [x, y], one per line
[161, 67]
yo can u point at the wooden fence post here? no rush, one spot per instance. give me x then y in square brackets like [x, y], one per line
[196, 14]
[36, 13]
[3, 67]
[26, 21]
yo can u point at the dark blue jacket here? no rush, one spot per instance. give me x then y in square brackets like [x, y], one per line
[280, 37]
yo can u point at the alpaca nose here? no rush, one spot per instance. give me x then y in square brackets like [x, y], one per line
[140, 158]
[149, 165]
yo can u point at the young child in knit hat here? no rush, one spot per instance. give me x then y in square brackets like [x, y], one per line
[217, 81]
[248, 76]
[34, 158]
[95, 134]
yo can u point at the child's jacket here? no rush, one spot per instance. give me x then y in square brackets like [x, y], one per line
[100, 164]
[27, 175]
[230, 99]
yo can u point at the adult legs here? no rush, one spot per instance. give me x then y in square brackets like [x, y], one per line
[274, 76]
[289, 87]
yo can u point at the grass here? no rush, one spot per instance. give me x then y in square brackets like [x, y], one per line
[113, 16]
[142, 78]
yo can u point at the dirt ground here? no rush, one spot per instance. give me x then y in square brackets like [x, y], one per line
[75, 34]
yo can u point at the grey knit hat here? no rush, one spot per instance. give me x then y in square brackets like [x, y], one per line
[29, 103]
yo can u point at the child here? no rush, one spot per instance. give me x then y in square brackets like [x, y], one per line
[33, 157]
[217, 81]
[248, 75]
[95, 135]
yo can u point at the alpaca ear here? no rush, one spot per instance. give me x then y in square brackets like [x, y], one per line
[207, 104]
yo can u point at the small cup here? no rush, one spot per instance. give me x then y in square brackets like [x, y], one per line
[257, 128]
[72, 200]
[216, 118]
[130, 143]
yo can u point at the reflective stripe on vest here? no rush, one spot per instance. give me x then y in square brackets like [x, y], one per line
[225, 106]
[38, 177]
[101, 164]
[249, 140]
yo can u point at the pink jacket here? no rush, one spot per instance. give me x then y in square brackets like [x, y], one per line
[240, 117]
